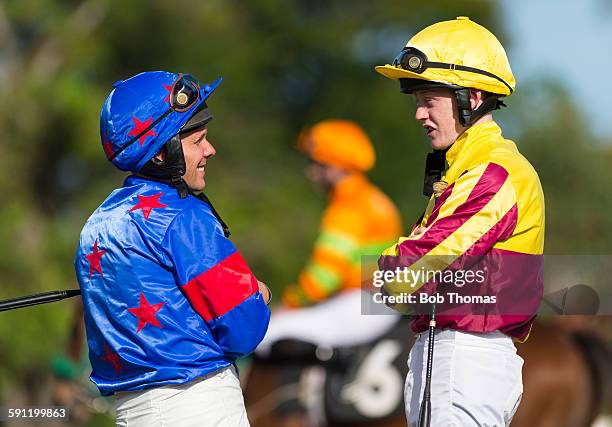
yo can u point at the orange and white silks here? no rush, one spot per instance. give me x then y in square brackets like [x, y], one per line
[359, 220]
[491, 217]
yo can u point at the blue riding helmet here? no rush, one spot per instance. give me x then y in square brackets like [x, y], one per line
[146, 111]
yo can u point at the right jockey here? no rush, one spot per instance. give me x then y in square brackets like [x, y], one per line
[485, 217]
[324, 307]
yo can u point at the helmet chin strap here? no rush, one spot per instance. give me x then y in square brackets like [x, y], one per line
[467, 116]
[180, 185]
[171, 168]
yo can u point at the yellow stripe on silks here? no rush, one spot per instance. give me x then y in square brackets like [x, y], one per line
[428, 210]
[479, 224]
[459, 194]
[393, 250]
[455, 245]
[461, 191]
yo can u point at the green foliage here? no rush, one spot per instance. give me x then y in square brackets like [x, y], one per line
[285, 64]
[572, 166]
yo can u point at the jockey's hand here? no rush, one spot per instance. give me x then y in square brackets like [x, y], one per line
[265, 292]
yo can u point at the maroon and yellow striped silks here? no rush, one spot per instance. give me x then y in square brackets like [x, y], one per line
[492, 208]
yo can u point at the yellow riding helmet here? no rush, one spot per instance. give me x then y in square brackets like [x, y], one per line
[339, 143]
[458, 52]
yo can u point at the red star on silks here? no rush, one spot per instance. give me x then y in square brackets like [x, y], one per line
[140, 127]
[169, 89]
[107, 145]
[148, 203]
[112, 358]
[146, 312]
[94, 259]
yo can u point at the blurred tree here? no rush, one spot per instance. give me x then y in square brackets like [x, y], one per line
[555, 137]
[285, 64]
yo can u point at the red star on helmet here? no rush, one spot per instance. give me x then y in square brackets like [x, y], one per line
[107, 145]
[169, 89]
[112, 358]
[139, 127]
[94, 259]
[148, 203]
[146, 312]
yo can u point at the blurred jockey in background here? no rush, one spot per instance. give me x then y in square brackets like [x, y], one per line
[324, 307]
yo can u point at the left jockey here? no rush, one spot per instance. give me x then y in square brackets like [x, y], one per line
[169, 302]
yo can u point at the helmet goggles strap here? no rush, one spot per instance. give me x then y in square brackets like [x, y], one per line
[412, 59]
[184, 94]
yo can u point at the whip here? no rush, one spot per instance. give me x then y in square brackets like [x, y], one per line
[425, 410]
[42, 298]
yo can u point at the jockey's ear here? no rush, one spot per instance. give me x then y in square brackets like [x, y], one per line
[477, 96]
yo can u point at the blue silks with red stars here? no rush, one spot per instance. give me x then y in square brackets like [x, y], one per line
[167, 296]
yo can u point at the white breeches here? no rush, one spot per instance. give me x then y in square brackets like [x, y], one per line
[212, 401]
[476, 379]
